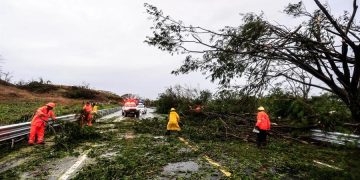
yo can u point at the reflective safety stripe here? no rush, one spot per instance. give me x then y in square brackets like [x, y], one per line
[221, 168]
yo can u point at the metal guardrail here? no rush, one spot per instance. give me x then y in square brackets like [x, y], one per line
[335, 137]
[15, 131]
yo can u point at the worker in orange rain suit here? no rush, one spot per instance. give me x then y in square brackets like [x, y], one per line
[263, 125]
[197, 108]
[41, 116]
[88, 110]
[173, 124]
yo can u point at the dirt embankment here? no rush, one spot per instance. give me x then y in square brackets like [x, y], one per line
[61, 93]
[12, 93]
[18, 102]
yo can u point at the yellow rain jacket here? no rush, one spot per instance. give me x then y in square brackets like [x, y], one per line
[173, 124]
[95, 109]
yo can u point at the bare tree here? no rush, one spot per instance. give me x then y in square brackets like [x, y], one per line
[6, 76]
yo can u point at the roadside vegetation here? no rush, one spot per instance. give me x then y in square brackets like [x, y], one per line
[325, 111]
[16, 112]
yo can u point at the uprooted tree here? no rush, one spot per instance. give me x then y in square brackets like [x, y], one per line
[323, 46]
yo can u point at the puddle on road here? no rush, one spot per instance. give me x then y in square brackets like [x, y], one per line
[180, 169]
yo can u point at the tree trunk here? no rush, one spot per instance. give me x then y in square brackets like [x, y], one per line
[355, 109]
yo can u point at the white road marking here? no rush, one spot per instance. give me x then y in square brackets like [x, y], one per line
[74, 167]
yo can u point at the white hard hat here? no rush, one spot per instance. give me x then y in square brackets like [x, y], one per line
[261, 108]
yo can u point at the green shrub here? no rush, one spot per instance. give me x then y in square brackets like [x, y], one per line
[39, 86]
[330, 110]
[76, 92]
[71, 134]
[181, 98]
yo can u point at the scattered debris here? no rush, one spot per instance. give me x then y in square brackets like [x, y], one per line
[184, 150]
[108, 155]
[129, 135]
[159, 137]
[11, 164]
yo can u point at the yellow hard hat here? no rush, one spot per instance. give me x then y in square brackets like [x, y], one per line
[261, 108]
[51, 104]
[172, 109]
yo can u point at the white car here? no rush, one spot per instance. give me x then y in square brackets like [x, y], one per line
[130, 108]
[142, 108]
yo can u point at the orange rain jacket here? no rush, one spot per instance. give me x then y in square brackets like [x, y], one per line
[263, 121]
[87, 108]
[173, 124]
[41, 115]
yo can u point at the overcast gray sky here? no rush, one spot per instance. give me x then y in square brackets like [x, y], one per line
[100, 42]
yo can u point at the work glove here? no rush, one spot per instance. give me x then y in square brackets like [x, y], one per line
[256, 129]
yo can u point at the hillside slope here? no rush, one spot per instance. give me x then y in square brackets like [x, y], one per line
[19, 102]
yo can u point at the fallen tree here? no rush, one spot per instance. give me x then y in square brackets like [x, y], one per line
[323, 46]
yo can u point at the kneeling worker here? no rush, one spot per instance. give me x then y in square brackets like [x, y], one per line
[41, 117]
[173, 124]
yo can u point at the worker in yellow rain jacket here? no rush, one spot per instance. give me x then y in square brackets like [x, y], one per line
[173, 124]
[94, 108]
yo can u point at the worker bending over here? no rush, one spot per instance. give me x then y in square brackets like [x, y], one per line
[39, 121]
